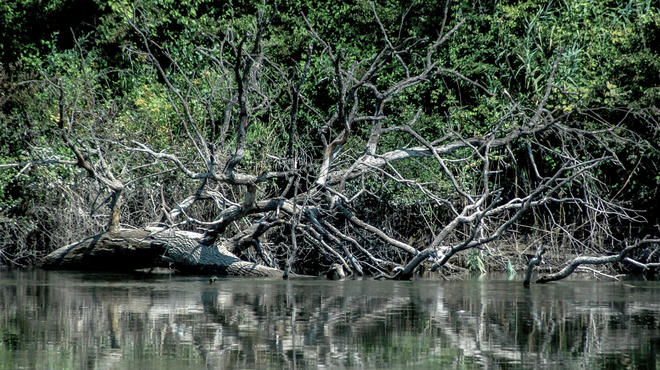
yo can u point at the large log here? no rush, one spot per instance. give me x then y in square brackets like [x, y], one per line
[121, 250]
[114, 250]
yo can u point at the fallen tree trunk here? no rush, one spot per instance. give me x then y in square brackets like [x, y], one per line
[113, 250]
[589, 260]
[122, 250]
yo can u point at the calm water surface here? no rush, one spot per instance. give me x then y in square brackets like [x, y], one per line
[67, 320]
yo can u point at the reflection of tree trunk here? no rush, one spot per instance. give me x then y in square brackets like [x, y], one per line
[293, 330]
[133, 249]
[113, 318]
[109, 359]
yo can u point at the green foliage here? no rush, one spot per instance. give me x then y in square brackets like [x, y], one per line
[29, 29]
[510, 270]
[475, 262]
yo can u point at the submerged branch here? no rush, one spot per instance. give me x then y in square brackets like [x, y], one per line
[536, 260]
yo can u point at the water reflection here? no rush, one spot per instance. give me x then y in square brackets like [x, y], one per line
[60, 320]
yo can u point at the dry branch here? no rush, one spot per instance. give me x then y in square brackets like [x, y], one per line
[593, 260]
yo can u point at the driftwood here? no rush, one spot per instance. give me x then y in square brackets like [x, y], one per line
[122, 250]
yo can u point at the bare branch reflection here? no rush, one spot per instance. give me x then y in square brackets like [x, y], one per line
[162, 322]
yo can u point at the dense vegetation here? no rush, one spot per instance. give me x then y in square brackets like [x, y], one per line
[96, 105]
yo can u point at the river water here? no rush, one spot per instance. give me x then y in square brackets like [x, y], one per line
[74, 320]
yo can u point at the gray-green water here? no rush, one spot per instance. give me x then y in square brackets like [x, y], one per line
[65, 320]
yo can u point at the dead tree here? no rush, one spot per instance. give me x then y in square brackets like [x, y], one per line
[320, 203]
